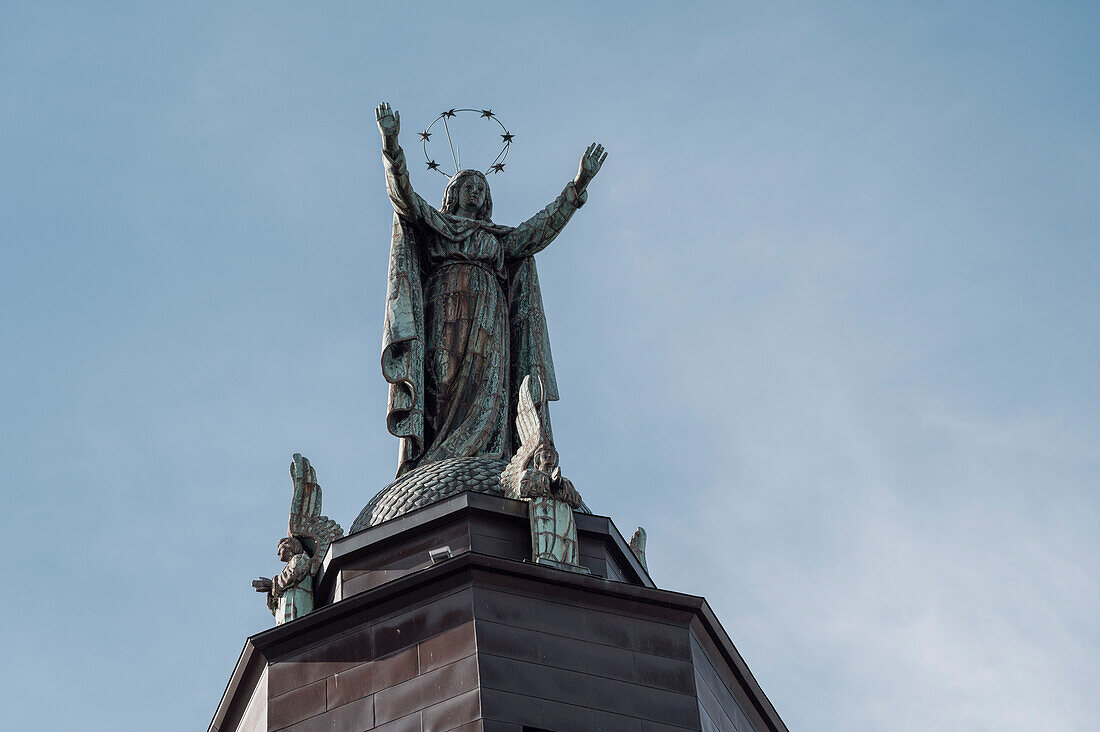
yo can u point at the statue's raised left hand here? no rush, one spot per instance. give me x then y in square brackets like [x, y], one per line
[591, 162]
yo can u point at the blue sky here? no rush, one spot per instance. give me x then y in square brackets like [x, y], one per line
[827, 327]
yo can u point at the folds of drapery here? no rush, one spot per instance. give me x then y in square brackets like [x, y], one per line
[403, 338]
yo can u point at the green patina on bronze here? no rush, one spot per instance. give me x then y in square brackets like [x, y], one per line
[534, 475]
[467, 355]
[290, 593]
[464, 317]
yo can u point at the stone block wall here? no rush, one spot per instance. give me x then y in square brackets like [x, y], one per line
[415, 670]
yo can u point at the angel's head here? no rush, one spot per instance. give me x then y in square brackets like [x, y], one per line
[545, 457]
[468, 195]
[288, 548]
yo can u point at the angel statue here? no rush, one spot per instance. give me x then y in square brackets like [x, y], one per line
[533, 475]
[290, 593]
[464, 317]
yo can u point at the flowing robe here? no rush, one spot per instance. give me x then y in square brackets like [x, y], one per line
[291, 594]
[550, 503]
[464, 323]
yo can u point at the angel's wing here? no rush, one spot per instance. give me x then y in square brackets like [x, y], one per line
[637, 545]
[532, 429]
[529, 421]
[307, 493]
[321, 531]
[306, 523]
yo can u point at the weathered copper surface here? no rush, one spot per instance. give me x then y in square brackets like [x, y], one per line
[429, 483]
[464, 317]
[464, 327]
[434, 482]
[309, 534]
[637, 545]
[534, 476]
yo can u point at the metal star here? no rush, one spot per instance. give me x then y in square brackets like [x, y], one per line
[448, 113]
[424, 135]
[507, 136]
[432, 165]
[487, 113]
[498, 168]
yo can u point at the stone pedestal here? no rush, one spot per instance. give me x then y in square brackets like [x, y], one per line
[434, 622]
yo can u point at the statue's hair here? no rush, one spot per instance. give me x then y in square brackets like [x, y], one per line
[450, 196]
[548, 446]
[295, 545]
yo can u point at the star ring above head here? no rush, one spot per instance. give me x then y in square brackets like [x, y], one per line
[496, 166]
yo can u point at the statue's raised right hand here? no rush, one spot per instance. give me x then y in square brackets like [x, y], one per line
[389, 121]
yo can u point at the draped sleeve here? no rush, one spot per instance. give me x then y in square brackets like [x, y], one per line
[536, 233]
[408, 204]
[403, 344]
[293, 573]
[530, 340]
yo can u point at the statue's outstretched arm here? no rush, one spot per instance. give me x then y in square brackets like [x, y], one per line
[405, 200]
[536, 233]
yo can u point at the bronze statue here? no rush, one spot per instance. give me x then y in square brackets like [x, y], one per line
[290, 593]
[533, 475]
[464, 316]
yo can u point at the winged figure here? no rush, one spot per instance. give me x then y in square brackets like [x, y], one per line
[533, 475]
[309, 534]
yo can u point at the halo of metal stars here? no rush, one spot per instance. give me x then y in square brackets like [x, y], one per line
[488, 114]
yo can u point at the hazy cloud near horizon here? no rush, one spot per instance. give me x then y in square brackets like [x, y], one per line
[827, 327]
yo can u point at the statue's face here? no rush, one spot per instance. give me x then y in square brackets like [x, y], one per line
[545, 459]
[286, 553]
[471, 196]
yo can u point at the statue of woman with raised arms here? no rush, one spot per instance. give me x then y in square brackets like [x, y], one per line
[464, 317]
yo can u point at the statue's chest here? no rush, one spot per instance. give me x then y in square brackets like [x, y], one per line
[479, 246]
[482, 246]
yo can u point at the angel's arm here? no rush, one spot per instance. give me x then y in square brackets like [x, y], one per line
[568, 491]
[406, 202]
[295, 571]
[537, 232]
[532, 484]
